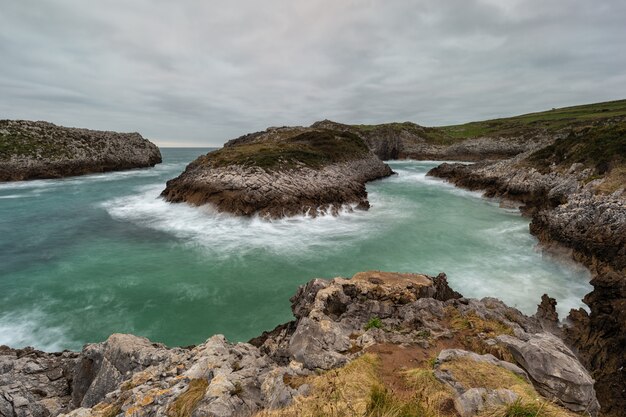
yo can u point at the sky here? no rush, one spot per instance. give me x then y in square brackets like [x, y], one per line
[201, 72]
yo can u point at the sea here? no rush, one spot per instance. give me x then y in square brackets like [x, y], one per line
[84, 257]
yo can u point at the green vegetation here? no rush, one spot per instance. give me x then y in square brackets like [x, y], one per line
[382, 403]
[550, 121]
[313, 149]
[518, 126]
[521, 409]
[374, 323]
[601, 147]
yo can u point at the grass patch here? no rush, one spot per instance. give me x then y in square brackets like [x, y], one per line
[374, 323]
[186, 403]
[521, 409]
[475, 324]
[343, 392]
[382, 403]
[312, 149]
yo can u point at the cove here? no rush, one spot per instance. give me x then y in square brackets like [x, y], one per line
[84, 257]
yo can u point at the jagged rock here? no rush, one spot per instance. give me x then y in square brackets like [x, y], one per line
[33, 150]
[554, 370]
[547, 315]
[103, 366]
[34, 383]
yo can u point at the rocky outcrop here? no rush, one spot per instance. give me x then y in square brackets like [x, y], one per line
[281, 172]
[35, 150]
[568, 211]
[410, 141]
[470, 401]
[335, 322]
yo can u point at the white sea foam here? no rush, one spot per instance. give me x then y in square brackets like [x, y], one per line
[21, 330]
[90, 178]
[223, 234]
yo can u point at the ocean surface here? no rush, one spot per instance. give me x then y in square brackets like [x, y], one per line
[84, 257]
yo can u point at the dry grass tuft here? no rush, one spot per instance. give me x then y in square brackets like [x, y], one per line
[186, 403]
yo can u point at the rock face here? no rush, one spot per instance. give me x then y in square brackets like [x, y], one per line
[570, 206]
[410, 141]
[35, 150]
[335, 322]
[554, 370]
[281, 172]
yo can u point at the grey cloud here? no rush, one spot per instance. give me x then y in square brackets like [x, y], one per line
[202, 72]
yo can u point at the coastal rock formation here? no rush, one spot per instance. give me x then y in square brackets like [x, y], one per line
[35, 150]
[281, 172]
[336, 322]
[410, 141]
[574, 192]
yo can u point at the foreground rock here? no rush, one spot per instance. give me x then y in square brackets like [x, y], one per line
[34, 150]
[336, 322]
[281, 172]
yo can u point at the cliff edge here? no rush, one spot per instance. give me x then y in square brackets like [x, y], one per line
[37, 150]
[370, 345]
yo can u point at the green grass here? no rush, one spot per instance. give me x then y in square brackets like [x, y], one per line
[521, 409]
[550, 121]
[382, 403]
[374, 323]
[313, 149]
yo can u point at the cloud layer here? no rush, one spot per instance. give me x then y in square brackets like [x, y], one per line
[201, 72]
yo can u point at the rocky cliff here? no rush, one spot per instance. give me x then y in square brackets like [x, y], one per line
[281, 172]
[574, 191]
[34, 150]
[363, 346]
[410, 141]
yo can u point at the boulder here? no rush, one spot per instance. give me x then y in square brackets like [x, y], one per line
[554, 370]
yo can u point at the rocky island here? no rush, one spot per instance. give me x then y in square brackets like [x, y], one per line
[281, 172]
[377, 344]
[37, 150]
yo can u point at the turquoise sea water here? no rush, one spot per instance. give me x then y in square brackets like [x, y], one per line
[84, 257]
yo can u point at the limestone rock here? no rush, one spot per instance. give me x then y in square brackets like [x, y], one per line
[554, 370]
[33, 150]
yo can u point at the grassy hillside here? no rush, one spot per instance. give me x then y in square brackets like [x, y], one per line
[550, 121]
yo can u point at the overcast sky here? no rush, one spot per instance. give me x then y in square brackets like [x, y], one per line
[200, 72]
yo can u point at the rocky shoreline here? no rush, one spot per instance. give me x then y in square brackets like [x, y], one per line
[281, 172]
[337, 322]
[567, 210]
[38, 150]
